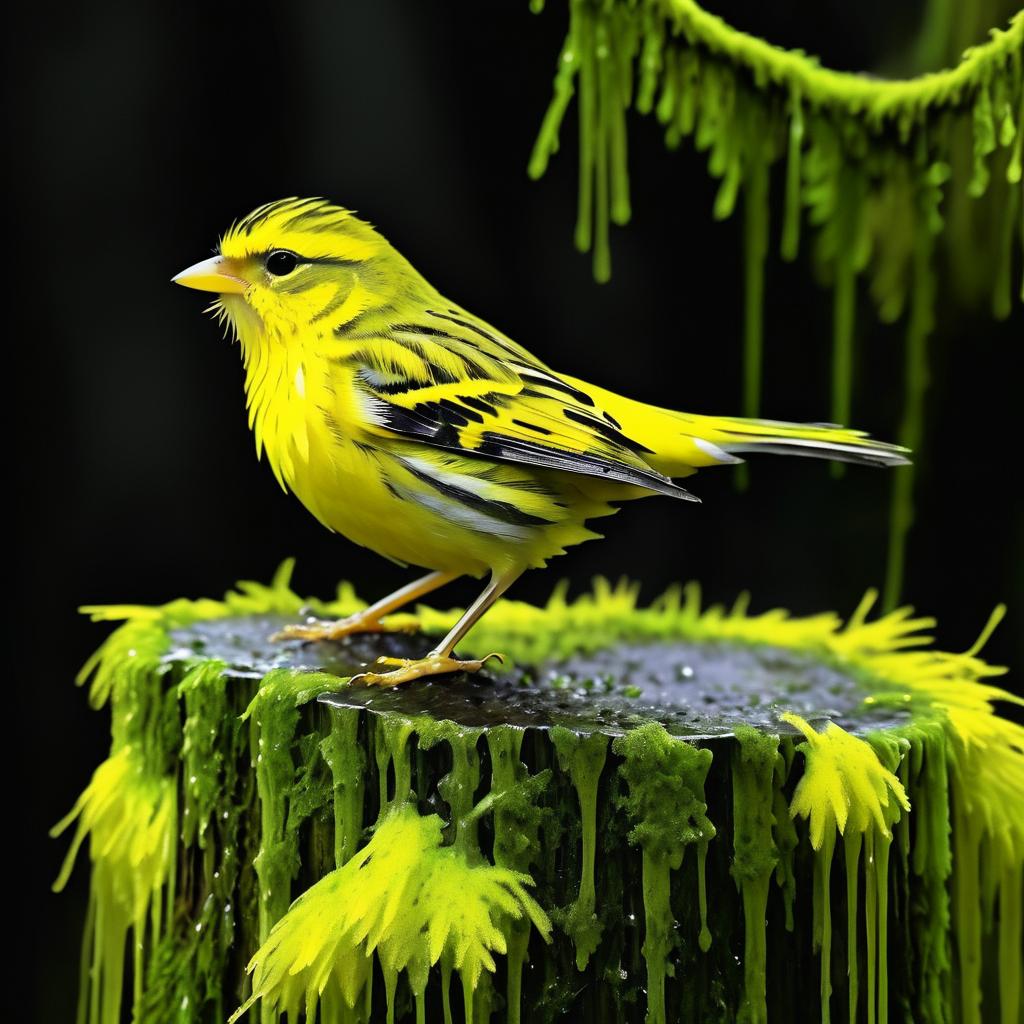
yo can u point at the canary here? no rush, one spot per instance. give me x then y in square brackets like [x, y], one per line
[418, 430]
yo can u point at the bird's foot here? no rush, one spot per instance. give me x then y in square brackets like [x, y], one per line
[407, 669]
[359, 622]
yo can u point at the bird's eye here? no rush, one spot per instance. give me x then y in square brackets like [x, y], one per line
[281, 262]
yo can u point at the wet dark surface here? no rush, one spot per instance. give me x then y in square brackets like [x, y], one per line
[693, 689]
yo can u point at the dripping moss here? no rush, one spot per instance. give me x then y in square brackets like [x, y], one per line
[875, 174]
[362, 862]
[750, 104]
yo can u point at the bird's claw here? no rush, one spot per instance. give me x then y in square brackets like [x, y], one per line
[408, 669]
[350, 626]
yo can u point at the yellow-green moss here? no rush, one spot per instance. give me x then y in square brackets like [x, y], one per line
[755, 857]
[666, 805]
[583, 758]
[953, 752]
[404, 896]
[517, 822]
[130, 818]
[868, 163]
[847, 789]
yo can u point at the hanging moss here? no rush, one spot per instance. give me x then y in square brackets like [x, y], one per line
[130, 819]
[666, 806]
[583, 757]
[345, 758]
[405, 896]
[426, 844]
[846, 788]
[868, 162]
[919, 327]
[749, 103]
[517, 845]
[755, 857]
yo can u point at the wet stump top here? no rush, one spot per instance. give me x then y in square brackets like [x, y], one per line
[696, 689]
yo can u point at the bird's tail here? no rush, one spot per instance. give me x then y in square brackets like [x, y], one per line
[736, 437]
[681, 443]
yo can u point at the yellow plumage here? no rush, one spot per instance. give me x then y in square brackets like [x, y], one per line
[418, 430]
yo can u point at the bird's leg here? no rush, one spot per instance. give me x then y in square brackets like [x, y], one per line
[441, 660]
[369, 619]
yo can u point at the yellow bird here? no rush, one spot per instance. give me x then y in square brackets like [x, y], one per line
[420, 431]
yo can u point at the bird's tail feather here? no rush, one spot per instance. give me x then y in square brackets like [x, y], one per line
[681, 443]
[811, 440]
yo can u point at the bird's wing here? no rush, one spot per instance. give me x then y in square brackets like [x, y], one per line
[453, 383]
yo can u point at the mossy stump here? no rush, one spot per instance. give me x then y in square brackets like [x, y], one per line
[660, 814]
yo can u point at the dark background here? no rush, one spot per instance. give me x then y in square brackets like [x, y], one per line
[143, 129]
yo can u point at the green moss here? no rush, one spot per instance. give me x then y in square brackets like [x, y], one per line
[749, 103]
[287, 788]
[822, 911]
[784, 834]
[869, 161]
[890, 750]
[666, 805]
[130, 814]
[755, 856]
[755, 250]
[849, 787]
[274, 716]
[203, 756]
[967, 911]
[391, 749]
[459, 786]
[405, 896]
[518, 820]
[347, 763]
[1011, 942]
[920, 324]
[582, 758]
[190, 966]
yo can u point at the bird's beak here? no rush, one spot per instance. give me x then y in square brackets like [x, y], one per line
[213, 275]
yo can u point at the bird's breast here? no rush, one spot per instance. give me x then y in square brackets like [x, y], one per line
[302, 414]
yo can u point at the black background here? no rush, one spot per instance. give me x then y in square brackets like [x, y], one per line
[143, 129]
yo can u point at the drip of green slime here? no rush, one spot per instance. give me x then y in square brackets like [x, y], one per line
[754, 765]
[345, 759]
[666, 805]
[457, 789]
[851, 851]
[755, 240]
[823, 920]
[582, 758]
[784, 834]
[870, 837]
[919, 327]
[517, 822]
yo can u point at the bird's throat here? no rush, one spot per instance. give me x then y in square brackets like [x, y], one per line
[274, 389]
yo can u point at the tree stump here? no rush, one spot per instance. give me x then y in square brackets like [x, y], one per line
[661, 814]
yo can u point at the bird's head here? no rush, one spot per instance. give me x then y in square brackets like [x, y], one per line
[297, 266]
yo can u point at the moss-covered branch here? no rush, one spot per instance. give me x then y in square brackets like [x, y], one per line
[747, 101]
